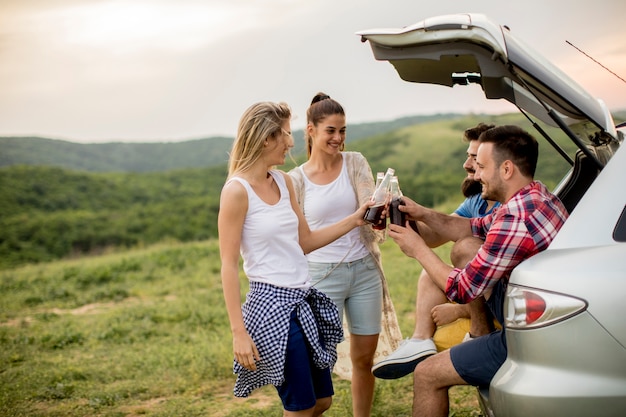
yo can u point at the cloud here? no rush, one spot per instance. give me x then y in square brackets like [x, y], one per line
[95, 70]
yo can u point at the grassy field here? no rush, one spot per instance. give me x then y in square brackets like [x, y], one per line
[145, 333]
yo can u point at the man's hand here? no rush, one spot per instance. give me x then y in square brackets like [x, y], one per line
[414, 246]
[413, 210]
[446, 313]
[407, 239]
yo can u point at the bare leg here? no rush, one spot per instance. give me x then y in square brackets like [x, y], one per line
[302, 413]
[309, 412]
[431, 380]
[320, 407]
[481, 320]
[402, 361]
[362, 350]
[428, 296]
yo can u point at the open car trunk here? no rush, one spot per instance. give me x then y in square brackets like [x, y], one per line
[469, 48]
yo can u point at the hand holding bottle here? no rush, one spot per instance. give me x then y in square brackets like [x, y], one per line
[395, 215]
[376, 214]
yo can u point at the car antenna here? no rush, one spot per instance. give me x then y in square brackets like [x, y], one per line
[591, 58]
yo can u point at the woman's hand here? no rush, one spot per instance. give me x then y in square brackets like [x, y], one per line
[245, 350]
[360, 213]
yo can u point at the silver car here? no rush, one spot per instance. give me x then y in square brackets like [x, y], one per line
[565, 307]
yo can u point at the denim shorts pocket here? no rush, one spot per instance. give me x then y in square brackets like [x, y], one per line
[318, 271]
[370, 263]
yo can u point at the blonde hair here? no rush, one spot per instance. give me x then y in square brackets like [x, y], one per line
[259, 122]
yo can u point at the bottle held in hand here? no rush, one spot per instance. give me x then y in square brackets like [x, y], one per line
[373, 214]
[395, 215]
[378, 222]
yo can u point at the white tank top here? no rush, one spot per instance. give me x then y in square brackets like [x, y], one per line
[270, 247]
[327, 204]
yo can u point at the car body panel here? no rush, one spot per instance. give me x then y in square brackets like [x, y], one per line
[573, 368]
[588, 234]
[592, 211]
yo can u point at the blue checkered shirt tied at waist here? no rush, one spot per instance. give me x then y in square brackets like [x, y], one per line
[267, 313]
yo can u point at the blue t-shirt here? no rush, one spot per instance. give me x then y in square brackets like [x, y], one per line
[474, 206]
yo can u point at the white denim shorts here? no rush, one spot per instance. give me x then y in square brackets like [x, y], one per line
[356, 288]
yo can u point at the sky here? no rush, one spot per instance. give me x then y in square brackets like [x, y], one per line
[94, 71]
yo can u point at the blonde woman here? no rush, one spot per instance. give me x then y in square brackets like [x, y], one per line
[286, 332]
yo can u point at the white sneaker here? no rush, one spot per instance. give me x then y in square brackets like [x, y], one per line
[403, 360]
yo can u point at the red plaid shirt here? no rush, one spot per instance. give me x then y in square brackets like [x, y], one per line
[515, 231]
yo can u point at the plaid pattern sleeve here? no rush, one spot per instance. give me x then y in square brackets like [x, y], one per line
[267, 311]
[519, 229]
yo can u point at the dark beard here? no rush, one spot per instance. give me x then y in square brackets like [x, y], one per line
[470, 187]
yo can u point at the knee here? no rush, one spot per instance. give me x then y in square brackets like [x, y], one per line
[362, 351]
[423, 279]
[363, 358]
[426, 284]
[420, 375]
[363, 362]
[425, 374]
[323, 404]
[464, 251]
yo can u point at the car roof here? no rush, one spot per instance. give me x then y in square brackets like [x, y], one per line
[469, 48]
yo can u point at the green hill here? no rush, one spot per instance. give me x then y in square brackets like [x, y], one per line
[151, 157]
[50, 212]
[109, 157]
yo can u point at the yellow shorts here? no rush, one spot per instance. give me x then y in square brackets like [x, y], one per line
[451, 334]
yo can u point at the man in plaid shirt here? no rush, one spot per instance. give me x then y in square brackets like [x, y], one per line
[484, 253]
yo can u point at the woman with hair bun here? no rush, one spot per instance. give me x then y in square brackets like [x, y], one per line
[329, 185]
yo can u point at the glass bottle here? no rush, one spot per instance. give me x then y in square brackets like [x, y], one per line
[379, 178]
[395, 215]
[381, 194]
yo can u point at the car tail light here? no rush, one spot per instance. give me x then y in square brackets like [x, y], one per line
[528, 308]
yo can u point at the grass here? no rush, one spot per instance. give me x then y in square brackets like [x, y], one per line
[145, 333]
